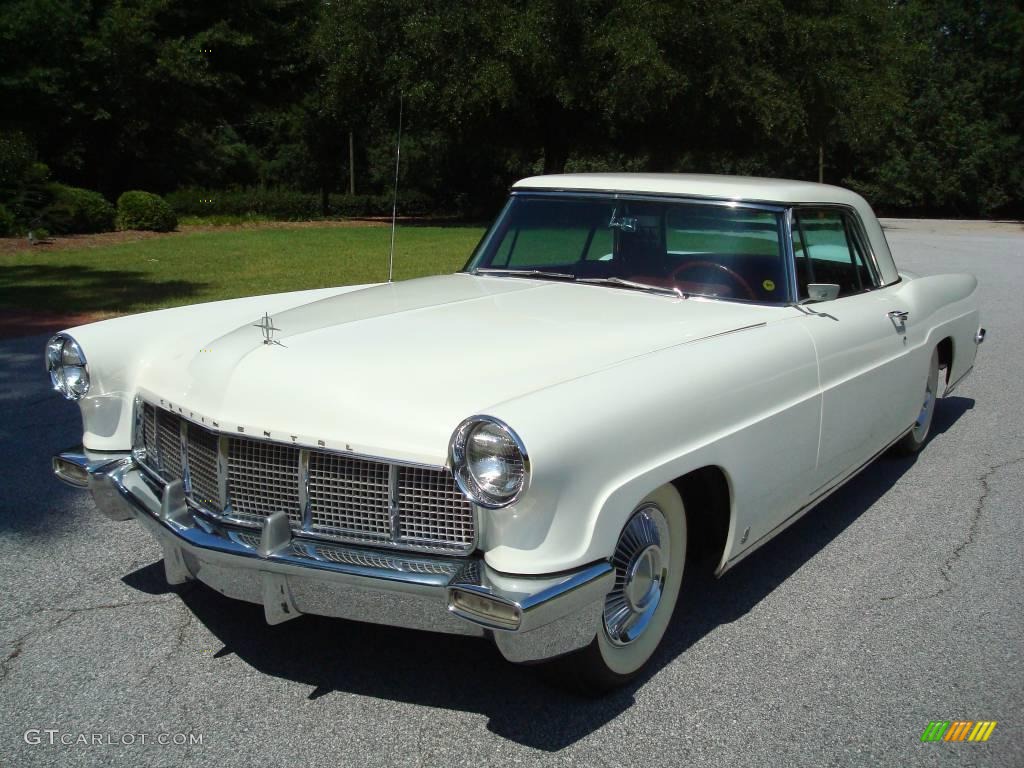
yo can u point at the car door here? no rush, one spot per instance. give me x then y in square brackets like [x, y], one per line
[861, 339]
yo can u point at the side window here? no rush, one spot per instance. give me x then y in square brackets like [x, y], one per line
[828, 250]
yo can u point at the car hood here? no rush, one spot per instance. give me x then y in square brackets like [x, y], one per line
[392, 369]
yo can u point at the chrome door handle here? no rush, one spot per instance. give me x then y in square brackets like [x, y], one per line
[899, 318]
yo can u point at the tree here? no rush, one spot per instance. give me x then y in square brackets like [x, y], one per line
[958, 147]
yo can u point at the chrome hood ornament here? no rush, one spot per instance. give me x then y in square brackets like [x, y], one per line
[268, 328]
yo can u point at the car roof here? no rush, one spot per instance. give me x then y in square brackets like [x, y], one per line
[749, 188]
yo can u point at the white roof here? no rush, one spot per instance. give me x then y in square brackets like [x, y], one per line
[739, 188]
[750, 188]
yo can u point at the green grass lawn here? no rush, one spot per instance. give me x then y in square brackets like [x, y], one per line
[191, 267]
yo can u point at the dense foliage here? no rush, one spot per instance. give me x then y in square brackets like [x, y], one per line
[7, 223]
[73, 210]
[917, 103]
[144, 210]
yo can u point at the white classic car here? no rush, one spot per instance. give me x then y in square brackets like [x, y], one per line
[525, 449]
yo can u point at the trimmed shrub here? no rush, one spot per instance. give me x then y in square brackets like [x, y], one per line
[144, 210]
[74, 211]
[7, 224]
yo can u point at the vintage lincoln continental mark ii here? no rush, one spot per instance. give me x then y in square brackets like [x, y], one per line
[525, 450]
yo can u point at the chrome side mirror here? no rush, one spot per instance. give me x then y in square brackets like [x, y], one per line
[822, 291]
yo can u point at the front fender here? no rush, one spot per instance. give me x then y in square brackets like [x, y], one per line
[746, 402]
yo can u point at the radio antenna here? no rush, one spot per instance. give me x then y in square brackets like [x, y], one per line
[394, 201]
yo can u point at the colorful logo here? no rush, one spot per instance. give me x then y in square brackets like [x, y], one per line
[958, 730]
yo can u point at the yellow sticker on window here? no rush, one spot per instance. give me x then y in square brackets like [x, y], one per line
[768, 285]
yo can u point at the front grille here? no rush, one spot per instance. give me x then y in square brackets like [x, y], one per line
[325, 495]
[262, 479]
[203, 451]
[168, 444]
[349, 497]
[149, 430]
[431, 501]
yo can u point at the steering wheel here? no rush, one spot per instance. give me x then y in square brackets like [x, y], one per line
[733, 276]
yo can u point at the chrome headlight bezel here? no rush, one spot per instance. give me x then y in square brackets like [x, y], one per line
[64, 354]
[468, 483]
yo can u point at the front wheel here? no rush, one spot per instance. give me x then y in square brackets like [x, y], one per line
[914, 440]
[649, 560]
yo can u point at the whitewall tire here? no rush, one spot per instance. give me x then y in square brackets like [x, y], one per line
[914, 440]
[649, 560]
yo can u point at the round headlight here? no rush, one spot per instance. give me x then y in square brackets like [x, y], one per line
[65, 362]
[489, 462]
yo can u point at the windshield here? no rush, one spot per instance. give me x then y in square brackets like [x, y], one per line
[701, 249]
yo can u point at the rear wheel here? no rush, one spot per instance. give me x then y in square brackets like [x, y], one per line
[649, 560]
[914, 440]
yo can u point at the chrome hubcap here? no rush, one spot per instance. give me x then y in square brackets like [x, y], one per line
[641, 565]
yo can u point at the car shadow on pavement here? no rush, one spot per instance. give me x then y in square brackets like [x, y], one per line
[469, 675]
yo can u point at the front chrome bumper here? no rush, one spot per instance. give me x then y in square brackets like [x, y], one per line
[536, 617]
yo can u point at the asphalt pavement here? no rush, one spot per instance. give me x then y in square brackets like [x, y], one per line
[895, 603]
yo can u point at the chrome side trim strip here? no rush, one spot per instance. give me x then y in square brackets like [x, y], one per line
[733, 330]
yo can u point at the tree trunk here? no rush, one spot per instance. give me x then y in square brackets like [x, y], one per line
[351, 164]
[554, 159]
[821, 163]
[556, 141]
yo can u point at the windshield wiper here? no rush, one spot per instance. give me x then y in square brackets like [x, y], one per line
[523, 273]
[659, 289]
[618, 281]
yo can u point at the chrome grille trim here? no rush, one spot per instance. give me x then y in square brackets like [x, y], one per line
[223, 447]
[326, 494]
[305, 505]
